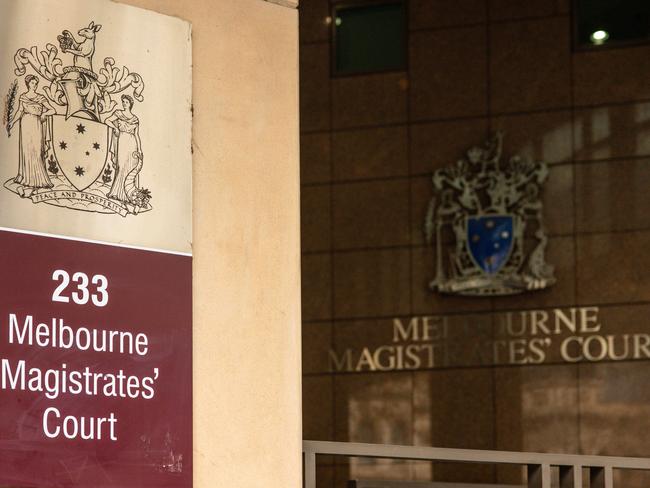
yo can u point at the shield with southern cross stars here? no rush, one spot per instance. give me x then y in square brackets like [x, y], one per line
[490, 241]
[81, 147]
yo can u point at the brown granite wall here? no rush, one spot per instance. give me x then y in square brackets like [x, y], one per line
[369, 146]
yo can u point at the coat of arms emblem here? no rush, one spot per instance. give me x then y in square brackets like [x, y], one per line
[485, 222]
[79, 141]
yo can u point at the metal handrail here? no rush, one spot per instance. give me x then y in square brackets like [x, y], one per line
[423, 484]
[538, 464]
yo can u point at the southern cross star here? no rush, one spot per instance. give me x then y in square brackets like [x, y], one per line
[79, 171]
[81, 129]
[63, 145]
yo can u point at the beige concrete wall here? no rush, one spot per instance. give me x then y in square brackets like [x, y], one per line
[247, 429]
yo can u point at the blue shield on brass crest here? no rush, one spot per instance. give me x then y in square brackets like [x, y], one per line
[490, 241]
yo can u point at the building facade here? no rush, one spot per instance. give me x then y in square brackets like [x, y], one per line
[562, 369]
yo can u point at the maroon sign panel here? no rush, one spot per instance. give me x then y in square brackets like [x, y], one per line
[95, 365]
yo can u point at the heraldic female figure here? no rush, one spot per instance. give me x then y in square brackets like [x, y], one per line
[33, 112]
[126, 151]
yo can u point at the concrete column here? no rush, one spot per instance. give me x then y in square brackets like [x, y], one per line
[247, 371]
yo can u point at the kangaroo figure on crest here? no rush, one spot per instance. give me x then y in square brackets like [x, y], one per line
[83, 51]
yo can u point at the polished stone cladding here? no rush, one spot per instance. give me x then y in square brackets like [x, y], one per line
[369, 144]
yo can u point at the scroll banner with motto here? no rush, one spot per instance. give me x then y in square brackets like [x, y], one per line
[95, 246]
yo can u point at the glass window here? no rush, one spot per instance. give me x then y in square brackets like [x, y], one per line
[369, 38]
[610, 22]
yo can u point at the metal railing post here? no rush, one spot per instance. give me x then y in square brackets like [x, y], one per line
[601, 477]
[309, 458]
[570, 476]
[539, 476]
